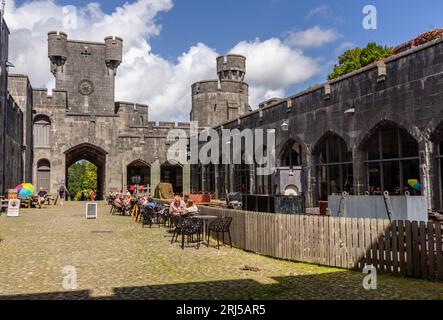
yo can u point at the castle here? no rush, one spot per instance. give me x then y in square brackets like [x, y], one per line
[81, 120]
[370, 131]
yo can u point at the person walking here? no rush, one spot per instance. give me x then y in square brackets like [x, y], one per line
[62, 192]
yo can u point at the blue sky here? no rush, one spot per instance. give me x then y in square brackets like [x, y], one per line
[222, 25]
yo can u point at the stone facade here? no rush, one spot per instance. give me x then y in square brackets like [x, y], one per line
[87, 124]
[20, 89]
[11, 124]
[405, 91]
[218, 101]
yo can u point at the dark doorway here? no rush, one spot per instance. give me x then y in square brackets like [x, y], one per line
[172, 174]
[94, 155]
[138, 172]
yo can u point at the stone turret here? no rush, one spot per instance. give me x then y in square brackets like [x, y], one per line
[231, 67]
[114, 53]
[57, 50]
[217, 101]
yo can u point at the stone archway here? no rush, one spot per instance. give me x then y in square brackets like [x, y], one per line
[93, 154]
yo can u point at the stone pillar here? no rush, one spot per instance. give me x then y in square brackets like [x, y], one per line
[217, 180]
[187, 178]
[358, 167]
[311, 181]
[203, 177]
[252, 188]
[124, 175]
[426, 169]
[155, 175]
[231, 178]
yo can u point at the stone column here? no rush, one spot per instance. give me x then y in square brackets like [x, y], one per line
[155, 175]
[231, 178]
[358, 167]
[203, 177]
[311, 181]
[426, 169]
[217, 180]
[186, 178]
[252, 188]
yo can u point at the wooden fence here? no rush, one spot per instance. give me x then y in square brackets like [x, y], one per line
[401, 247]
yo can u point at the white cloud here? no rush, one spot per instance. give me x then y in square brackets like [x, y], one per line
[314, 37]
[273, 66]
[144, 77]
[320, 10]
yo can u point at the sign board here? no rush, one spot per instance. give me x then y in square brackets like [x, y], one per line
[91, 210]
[13, 208]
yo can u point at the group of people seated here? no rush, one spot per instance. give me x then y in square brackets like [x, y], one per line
[124, 201]
[181, 208]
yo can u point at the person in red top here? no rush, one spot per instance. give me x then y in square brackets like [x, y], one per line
[92, 196]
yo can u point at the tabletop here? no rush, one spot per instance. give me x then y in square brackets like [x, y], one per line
[205, 217]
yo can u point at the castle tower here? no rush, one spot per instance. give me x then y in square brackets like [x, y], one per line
[86, 71]
[231, 67]
[57, 51]
[217, 101]
[114, 53]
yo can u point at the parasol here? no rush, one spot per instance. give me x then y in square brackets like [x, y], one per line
[25, 190]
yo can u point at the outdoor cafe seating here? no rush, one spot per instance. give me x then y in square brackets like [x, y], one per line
[191, 228]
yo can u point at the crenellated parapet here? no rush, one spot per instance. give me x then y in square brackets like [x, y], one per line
[231, 67]
[43, 100]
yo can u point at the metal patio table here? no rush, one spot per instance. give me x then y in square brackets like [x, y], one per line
[205, 218]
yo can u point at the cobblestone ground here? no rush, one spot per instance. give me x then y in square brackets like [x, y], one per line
[117, 259]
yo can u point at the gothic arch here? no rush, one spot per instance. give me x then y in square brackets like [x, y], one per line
[375, 124]
[319, 141]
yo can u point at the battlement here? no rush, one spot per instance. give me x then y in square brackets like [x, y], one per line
[213, 86]
[58, 50]
[41, 98]
[231, 67]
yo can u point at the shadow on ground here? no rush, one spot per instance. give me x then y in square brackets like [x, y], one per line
[330, 286]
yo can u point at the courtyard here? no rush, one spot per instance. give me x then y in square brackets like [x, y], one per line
[116, 259]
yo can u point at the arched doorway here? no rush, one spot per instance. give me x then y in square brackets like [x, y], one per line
[138, 172]
[44, 175]
[94, 155]
[334, 166]
[173, 174]
[392, 159]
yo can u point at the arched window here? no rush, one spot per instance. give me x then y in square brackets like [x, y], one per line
[44, 175]
[42, 127]
[392, 161]
[334, 167]
[291, 156]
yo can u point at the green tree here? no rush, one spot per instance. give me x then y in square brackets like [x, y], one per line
[357, 58]
[82, 176]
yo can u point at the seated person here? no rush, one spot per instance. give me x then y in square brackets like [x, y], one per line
[41, 197]
[127, 204]
[191, 208]
[178, 206]
[150, 203]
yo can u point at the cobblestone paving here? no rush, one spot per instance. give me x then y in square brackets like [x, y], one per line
[117, 259]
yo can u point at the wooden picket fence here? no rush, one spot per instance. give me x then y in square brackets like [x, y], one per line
[408, 248]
